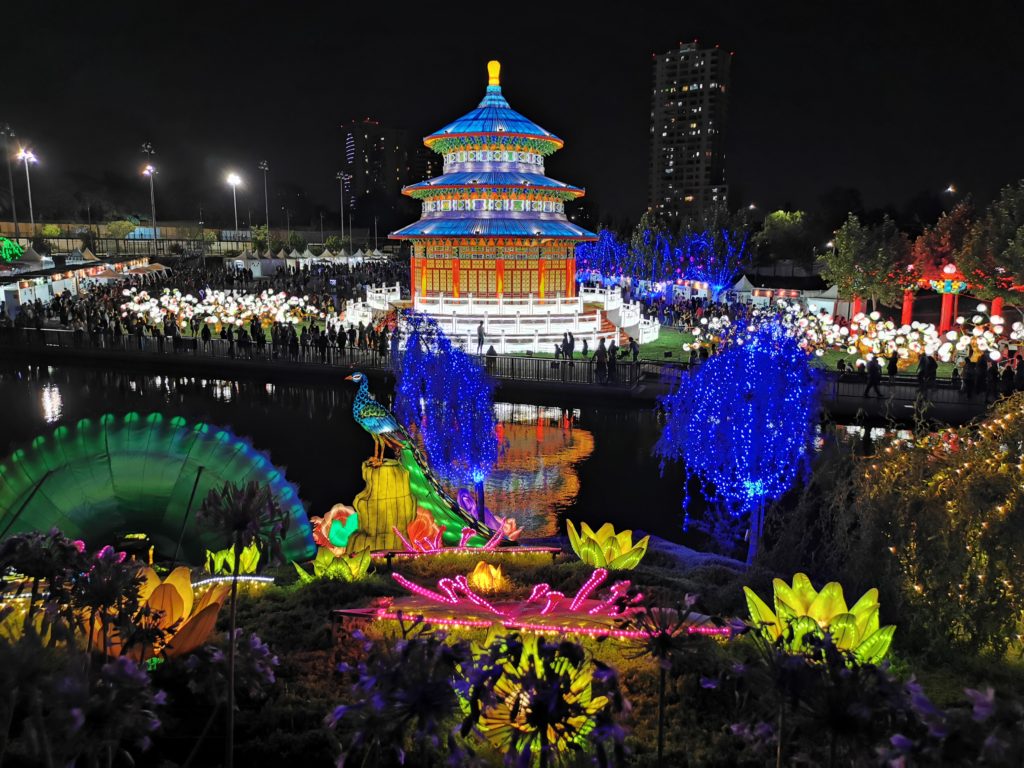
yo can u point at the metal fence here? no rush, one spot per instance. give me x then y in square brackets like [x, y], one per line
[534, 369]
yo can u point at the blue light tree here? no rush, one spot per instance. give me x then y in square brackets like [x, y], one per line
[714, 254]
[446, 396]
[742, 424]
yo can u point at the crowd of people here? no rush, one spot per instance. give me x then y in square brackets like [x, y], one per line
[97, 312]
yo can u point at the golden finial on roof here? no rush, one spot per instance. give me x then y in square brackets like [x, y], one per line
[494, 72]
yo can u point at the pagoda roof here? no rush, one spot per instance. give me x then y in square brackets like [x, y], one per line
[485, 179]
[493, 116]
[465, 226]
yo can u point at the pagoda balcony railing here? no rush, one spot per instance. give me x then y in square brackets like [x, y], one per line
[381, 296]
[481, 306]
[520, 325]
[609, 298]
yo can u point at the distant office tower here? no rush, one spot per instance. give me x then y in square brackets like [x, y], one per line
[688, 113]
[377, 164]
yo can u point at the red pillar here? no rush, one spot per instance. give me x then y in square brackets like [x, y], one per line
[946, 316]
[570, 276]
[540, 277]
[997, 306]
[455, 278]
[857, 308]
[908, 307]
[499, 281]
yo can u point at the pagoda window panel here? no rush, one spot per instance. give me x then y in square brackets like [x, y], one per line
[492, 283]
[534, 282]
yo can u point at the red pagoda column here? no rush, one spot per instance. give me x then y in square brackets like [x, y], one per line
[499, 280]
[570, 276]
[455, 278]
[946, 315]
[540, 277]
[997, 306]
[908, 307]
[857, 308]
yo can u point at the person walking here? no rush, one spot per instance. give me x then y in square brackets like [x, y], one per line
[480, 338]
[874, 377]
[601, 362]
[893, 366]
[613, 353]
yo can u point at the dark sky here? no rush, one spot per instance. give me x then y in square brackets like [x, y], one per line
[893, 98]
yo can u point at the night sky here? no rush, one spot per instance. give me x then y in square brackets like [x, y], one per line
[893, 101]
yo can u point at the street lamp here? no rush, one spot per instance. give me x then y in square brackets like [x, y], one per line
[264, 166]
[8, 133]
[341, 176]
[150, 170]
[234, 180]
[29, 157]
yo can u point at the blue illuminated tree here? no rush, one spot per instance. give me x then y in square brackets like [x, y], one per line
[742, 423]
[442, 393]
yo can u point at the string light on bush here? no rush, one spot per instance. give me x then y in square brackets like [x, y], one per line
[741, 423]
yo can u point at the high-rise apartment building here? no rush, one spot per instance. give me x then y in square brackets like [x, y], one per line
[376, 163]
[688, 114]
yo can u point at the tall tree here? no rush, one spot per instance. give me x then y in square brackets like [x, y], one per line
[785, 235]
[941, 243]
[992, 256]
[867, 261]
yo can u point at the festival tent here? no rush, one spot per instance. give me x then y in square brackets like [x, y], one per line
[88, 255]
[282, 255]
[295, 254]
[326, 254]
[245, 255]
[30, 256]
[107, 274]
[308, 254]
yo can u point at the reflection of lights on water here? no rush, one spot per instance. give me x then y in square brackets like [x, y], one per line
[133, 386]
[521, 413]
[53, 403]
[270, 388]
[223, 390]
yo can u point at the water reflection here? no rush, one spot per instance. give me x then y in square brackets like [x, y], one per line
[52, 402]
[536, 477]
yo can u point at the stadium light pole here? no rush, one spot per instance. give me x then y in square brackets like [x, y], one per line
[150, 170]
[264, 166]
[8, 133]
[28, 156]
[234, 180]
[340, 176]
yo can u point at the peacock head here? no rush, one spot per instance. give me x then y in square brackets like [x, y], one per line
[356, 377]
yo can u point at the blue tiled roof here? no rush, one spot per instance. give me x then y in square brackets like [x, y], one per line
[494, 115]
[492, 179]
[493, 227]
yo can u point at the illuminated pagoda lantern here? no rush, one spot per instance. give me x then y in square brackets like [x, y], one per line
[493, 243]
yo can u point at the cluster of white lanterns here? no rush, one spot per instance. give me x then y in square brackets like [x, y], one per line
[222, 308]
[868, 335]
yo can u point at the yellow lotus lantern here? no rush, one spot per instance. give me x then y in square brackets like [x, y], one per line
[488, 578]
[800, 610]
[187, 622]
[605, 548]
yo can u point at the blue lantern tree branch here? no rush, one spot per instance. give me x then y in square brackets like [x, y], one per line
[445, 395]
